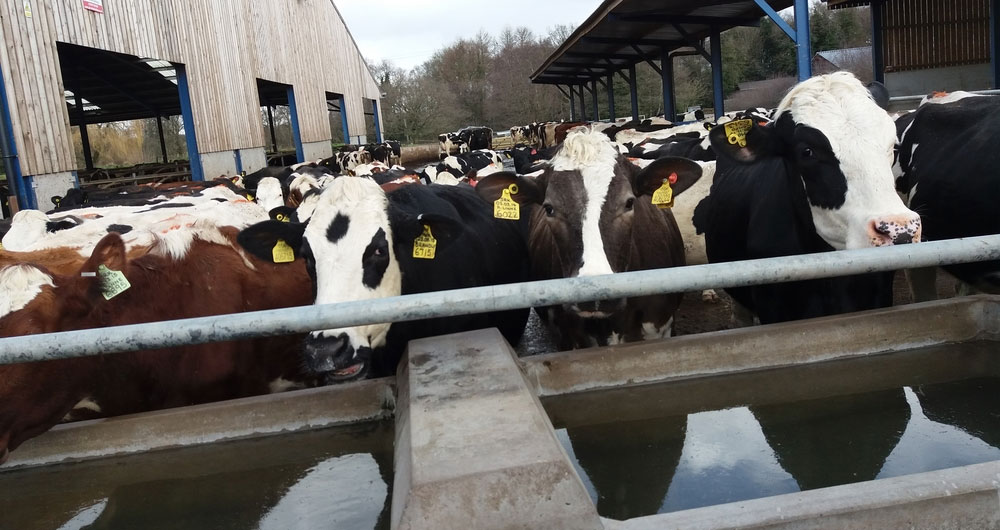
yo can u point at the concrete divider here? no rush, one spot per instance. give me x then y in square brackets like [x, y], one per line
[955, 498]
[213, 422]
[474, 448]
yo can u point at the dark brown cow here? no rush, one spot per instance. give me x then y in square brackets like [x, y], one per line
[210, 279]
[591, 213]
[563, 129]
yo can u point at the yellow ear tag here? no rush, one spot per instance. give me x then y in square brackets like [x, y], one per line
[505, 207]
[425, 245]
[736, 131]
[283, 218]
[249, 197]
[663, 197]
[282, 253]
[113, 283]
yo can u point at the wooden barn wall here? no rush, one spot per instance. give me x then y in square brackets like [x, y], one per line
[920, 34]
[225, 46]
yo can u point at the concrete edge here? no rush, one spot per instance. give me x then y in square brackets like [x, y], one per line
[251, 417]
[921, 493]
[758, 347]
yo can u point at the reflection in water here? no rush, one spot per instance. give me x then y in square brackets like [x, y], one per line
[826, 442]
[644, 467]
[630, 464]
[940, 434]
[725, 459]
[85, 516]
[342, 492]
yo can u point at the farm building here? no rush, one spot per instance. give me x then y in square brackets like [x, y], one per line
[219, 65]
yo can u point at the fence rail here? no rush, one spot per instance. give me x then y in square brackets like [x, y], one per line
[493, 298]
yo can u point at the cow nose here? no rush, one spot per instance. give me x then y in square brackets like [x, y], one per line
[327, 354]
[894, 230]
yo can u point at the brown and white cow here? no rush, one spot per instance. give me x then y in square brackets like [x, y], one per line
[591, 213]
[212, 276]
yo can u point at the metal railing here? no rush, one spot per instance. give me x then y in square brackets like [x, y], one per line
[493, 298]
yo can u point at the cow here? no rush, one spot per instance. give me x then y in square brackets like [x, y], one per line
[591, 213]
[362, 243]
[525, 158]
[211, 276]
[449, 141]
[956, 196]
[815, 179]
[692, 145]
[476, 137]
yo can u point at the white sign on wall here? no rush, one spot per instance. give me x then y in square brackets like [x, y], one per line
[97, 6]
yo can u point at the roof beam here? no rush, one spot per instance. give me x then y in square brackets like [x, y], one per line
[111, 84]
[638, 42]
[605, 66]
[649, 61]
[593, 55]
[687, 19]
[693, 42]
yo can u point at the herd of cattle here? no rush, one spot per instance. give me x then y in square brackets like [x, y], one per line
[813, 175]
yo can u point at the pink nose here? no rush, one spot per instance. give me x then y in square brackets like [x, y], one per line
[894, 230]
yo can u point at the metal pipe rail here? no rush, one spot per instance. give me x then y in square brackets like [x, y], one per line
[493, 298]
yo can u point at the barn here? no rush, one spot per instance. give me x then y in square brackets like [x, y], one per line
[218, 65]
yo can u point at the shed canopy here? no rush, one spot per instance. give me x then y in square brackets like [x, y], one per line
[624, 32]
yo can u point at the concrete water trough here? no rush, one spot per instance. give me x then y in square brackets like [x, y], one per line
[823, 423]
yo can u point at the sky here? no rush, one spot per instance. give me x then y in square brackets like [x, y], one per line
[408, 32]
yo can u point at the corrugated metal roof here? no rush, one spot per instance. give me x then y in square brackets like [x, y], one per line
[623, 32]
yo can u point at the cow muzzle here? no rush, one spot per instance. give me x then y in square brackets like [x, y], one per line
[596, 309]
[894, 230]
[335, 359]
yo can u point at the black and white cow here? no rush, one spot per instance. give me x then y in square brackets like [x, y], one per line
[948, 158]
[693, 145]
[590, 213]
[526, 157]
[360, 244]
[817, 178]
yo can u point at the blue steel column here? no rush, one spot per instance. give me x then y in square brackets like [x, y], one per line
[8, 147]
[572, 103]
[293, 115]
[343, 120]
[189, 129]
[632, 92]
[593, 97]
[802, 43]
[878, 60]
[995, 42]
[715, 42]
[583, 103]
[378, 126]
[667, 75]
[611, 97]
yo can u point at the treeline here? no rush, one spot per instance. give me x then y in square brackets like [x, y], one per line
[484, 80]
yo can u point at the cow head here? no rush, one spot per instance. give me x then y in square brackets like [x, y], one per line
[839, 144]
[350, 245]
[33, 300]
[584, 208]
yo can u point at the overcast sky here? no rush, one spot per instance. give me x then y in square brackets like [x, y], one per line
[408, 32]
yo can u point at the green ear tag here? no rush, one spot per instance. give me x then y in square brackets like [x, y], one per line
[282, 252]
[425, 245]
[113, 283]
[736, 131]
[505, 207]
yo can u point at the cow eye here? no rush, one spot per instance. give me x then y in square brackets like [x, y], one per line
[630, 203]
[807, 152]
[549, 210]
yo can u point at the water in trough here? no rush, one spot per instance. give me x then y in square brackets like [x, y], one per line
[657, 449]
[333, 478]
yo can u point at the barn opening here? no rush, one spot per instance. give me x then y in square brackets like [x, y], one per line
[339, 132]
[127, 116]
[277, 110]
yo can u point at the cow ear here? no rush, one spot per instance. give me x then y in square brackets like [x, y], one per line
[407, 230]
[110, 252]
[744, 141]
[681, 173]
[491, 188]
[273, 241]
[106, 271]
